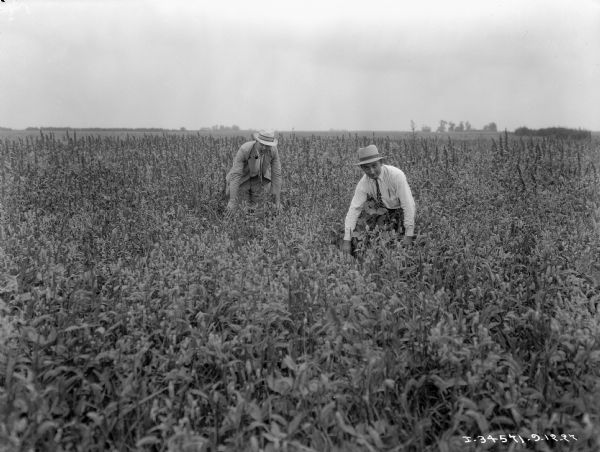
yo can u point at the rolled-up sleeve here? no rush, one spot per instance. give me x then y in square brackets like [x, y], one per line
[236, 172]
[275, 171]
[408, 204]
[356, 206]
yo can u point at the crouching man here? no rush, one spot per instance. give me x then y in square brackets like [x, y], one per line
[256, 172]
[387, 186]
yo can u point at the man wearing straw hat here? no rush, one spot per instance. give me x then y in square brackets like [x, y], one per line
[256, 171]
[390, 193]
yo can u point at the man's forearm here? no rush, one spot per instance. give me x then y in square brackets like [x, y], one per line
[347, 234]
[350, 222]
[233, 191]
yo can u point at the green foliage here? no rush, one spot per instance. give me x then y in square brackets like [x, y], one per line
[135, 316]
[557, 132]
[375, 224]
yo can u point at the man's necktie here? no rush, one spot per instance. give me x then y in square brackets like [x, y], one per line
[379, 200]
[262, 159]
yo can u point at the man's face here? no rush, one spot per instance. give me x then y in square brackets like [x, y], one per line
[262, 148]
[373, 169]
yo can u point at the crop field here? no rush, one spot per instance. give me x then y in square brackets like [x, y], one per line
[135, 316]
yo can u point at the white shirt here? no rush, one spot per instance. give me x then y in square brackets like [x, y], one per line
[395, 193]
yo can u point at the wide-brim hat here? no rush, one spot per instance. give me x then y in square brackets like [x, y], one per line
[369, 154]
[266, 137]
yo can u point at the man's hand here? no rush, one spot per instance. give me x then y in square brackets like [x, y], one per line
[277, 202]
[347, 247]
[230, 209]
[408, 239]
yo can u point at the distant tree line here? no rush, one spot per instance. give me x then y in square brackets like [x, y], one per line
[462, 126]
[220, 128]
[216, 128]
[103, 129]
[559, 132]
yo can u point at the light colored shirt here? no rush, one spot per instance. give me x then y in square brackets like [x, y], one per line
[395, 193]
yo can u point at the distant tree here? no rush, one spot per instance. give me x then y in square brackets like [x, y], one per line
[413, 126]
[491, 127]
[467, 126]
[524, 131]
[442, 126]
[183, 129]
[460, 127]
[234, 127]
[451, 126]
[561, 132]
[425, 129]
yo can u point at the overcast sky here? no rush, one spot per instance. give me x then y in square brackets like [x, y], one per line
[308, 65]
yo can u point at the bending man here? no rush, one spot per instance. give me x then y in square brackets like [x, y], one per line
[256, 171]
[387, 186]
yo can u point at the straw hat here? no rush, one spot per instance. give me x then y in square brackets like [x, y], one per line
[368, 155]
[266, 137]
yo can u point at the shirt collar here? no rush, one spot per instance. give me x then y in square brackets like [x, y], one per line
[256, 147]
[380, 177]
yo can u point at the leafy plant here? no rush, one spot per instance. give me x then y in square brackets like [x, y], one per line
[135, 316]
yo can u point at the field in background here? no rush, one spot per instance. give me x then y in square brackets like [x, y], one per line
[134, 316]
[74, 133]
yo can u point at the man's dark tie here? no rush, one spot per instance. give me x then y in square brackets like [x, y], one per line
[379, 200]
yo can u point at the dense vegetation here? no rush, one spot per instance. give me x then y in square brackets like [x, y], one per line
[135, 317]
[555, 132]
